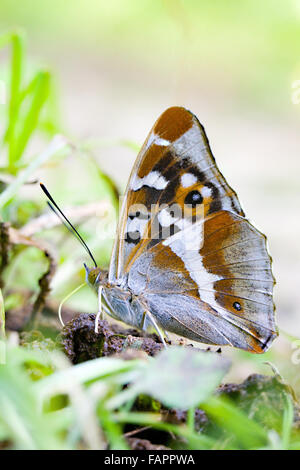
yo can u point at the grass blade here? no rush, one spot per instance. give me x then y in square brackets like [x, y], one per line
[246, 431]
[17, 42]
[40, 87]
[287, 423]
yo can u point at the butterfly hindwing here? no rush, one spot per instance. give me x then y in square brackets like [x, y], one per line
[221, 292]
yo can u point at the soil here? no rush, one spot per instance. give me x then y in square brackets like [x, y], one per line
[256, 395]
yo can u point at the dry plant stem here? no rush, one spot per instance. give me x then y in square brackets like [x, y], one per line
[17, 238]
[136, 431]
[7, 179]
[48, 221]
[4, 248]
[44, 283]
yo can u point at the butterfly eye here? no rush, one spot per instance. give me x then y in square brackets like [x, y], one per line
[193, 198]
[237, 306]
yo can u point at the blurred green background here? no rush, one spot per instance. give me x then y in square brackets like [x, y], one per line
[116, 66]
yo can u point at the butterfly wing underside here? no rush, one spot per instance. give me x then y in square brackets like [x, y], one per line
[208, 280]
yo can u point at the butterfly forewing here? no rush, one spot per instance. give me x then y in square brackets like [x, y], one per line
[174, 161]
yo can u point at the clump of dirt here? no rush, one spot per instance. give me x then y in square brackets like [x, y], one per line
[175, 416]
[144, 444]
[80, 342]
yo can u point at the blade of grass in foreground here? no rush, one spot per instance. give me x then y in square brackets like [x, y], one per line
[287, 423]
[2, 330]
[26, 103]
[248, 433]
[112, 430]
[17, 45]
[23, 424]
[95, 369]
[39, 87]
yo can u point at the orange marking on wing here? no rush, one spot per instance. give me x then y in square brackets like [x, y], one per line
[136, 197]
[217, 230]
[226, 301]
[199, 209]
[173, 123]
[255, 345]
[152, 156]
[166, 259]
[215, 223]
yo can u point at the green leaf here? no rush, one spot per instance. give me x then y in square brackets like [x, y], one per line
[182, 377]
[22, 421]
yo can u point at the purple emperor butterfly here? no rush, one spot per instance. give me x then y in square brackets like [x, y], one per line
[185, 258]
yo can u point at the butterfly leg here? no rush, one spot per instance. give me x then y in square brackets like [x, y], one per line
[100, 315]
[154, 323]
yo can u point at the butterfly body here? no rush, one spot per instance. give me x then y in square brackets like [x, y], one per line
[185, 257]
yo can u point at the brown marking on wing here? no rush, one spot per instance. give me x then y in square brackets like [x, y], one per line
[140, 196]
[257, 346]
[173, 123]
[213, 224]
[167, 260]
[152, 157]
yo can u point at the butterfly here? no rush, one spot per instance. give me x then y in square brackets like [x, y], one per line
[185, 259]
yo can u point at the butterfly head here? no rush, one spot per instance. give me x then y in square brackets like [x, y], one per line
[94, 276]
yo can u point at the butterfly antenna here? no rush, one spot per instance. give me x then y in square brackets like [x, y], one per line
[54, 207]
[65, 224]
